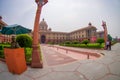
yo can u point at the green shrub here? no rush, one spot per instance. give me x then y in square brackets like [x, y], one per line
[90, 45]
[24, 40]
[113, 42]
[67, 42]
[2, 46]
[40, 52]
[75, 42]
[109, 37]
[100, 40]
[85, 41]
[51, 43]
[28, 54]
[1, 51]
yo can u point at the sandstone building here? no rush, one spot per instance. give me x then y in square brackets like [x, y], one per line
[48, 36]
[3, 38]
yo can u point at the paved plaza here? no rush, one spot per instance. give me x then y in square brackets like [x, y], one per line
[106, 67]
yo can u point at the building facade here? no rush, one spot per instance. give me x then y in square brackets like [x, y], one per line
[3, 38]
[46, 35]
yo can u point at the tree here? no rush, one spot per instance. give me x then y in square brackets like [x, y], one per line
[109, 37]
[85, 41]
[67, 42]
[24, 40]
[75, 42]
[100, 40]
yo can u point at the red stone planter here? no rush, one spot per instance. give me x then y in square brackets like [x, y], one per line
[15, 60]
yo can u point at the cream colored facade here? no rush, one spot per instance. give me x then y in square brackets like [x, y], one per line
[2, 23]
[48, 36]
[3, 38]
[100, 34]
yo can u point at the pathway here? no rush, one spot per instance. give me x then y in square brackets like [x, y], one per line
[104, 68]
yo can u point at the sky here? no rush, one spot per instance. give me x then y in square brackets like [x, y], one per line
[64, 15]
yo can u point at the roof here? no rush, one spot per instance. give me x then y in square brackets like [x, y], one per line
[85, 28]
[3, 23]
[55, 32]
[100, 32]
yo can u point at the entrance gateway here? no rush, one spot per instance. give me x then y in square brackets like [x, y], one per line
[43, 39]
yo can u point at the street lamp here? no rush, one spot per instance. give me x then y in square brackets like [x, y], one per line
[36, 59]
[105, 32]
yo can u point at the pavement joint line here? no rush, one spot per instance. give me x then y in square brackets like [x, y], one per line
[103, 63]
[77, 67]
[43, 75]
[103, 76]
[63, 64]
[108, 69]
[82, 75]
[29, 76]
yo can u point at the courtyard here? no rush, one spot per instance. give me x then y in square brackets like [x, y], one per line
[103, 68]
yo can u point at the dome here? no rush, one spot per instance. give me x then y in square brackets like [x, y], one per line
[43, 25]
[91, 26]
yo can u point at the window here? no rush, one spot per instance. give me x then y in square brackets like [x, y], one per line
[82, 35]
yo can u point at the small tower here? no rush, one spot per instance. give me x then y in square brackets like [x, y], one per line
[89, 24]
[0, 17]
[49, 29]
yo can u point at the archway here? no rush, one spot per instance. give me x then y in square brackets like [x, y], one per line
[43, 39]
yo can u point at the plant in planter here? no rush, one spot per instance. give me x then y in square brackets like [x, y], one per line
[24, 40]
[14, 56]
[14, 44]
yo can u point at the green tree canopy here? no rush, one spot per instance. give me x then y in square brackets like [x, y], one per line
[85, 41]
[24, 40]
[109, 37]
[100, 40]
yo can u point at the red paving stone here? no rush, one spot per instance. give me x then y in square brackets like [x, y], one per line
[74, 55]
[55, 56]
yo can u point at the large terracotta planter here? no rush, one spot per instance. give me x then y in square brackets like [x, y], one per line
[15, 60]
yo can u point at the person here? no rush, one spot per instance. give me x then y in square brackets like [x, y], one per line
[107, 44]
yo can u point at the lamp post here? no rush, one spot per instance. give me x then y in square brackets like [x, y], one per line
[36, 59]
[105, 32]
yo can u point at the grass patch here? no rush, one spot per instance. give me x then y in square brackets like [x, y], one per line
[2, 46]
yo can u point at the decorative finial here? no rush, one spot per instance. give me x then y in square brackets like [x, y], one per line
[43, 19]
[90, 24]
[42, 2]
[37, 1]
[0, 17]
[103, 23]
